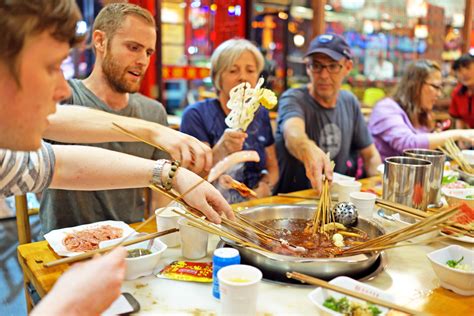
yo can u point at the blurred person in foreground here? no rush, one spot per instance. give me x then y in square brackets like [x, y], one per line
[462, 98]
[320, 118]
[123, 38]
[233, 62]
[37, 37]
[406, 120]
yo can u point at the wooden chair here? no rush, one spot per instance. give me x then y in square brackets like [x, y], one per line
[22, 219]
[24, 237]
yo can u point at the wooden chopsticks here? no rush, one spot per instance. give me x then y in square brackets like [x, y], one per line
[314, 281]
[90, 254]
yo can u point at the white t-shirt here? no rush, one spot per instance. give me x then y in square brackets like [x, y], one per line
[382, 72]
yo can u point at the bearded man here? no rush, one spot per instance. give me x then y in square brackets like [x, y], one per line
[124, 37]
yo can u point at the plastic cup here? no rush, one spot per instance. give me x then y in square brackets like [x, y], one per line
[193, 240]
[238, 286]
[167, 219]
[346, 187]
[365, 203]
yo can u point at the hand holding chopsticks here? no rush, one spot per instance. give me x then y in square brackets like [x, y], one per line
[314, 281]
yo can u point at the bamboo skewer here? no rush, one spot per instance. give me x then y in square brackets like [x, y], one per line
[426, 241]
[214, 229]
[131, 134]
[256, 225]
[415, 213]
[424, 226]
[225, 222]
[451, 150]
[90, 254]
[302, 197]
[153, 216]
[314, 281]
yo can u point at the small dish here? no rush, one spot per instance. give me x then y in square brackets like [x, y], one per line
[459, 281]
[458, 196]
[319, 295]
[459, 238]
[143, 265]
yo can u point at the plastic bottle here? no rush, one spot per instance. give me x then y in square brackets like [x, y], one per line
[222, 257]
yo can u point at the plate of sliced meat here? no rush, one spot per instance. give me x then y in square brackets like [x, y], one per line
[72, 241]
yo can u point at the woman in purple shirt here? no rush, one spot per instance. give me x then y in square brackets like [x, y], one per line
[405, 120]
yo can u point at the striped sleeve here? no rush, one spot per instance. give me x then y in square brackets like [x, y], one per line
[22, 172]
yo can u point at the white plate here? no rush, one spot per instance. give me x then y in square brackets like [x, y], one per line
[319, 295]
[55, 237]
[460, 238]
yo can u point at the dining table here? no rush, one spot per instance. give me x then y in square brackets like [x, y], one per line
[404, 272]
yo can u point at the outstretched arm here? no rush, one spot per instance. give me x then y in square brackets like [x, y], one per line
[315, 161]
[91, 168]
[78, 124]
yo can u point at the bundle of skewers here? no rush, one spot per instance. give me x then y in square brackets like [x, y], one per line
[426, 224]
[243, 231]
[452, 150]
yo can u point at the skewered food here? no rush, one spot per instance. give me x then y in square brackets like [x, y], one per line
[228, 162]
[229, 183]
[244, 102]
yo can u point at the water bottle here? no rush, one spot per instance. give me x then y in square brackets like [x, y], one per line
[222, 257]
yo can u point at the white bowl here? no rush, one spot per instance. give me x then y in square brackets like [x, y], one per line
[319, 295]
[458, 196]
[459, 281]
[143, 265]
[469, 156]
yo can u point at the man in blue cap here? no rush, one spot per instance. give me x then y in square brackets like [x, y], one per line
[319, 118]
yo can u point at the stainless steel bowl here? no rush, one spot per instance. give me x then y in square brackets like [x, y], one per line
[324, 268]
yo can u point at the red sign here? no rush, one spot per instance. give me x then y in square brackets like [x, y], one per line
[185, 72]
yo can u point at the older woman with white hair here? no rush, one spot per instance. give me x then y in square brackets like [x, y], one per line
[233, 62]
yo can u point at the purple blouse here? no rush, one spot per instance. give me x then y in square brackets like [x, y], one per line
[392, 130]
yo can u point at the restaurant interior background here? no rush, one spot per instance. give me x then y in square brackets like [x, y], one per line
[392, 32]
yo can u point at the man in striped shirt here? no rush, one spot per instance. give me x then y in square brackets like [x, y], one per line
[36, 37]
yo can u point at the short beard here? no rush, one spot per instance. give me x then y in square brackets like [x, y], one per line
[115, 76]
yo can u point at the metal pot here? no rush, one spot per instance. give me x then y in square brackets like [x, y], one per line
[325, 268]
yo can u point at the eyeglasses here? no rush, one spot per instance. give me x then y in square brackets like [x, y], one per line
[333, 68]
[436, 86]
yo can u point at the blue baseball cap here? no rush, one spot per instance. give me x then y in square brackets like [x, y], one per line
[333, 45]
